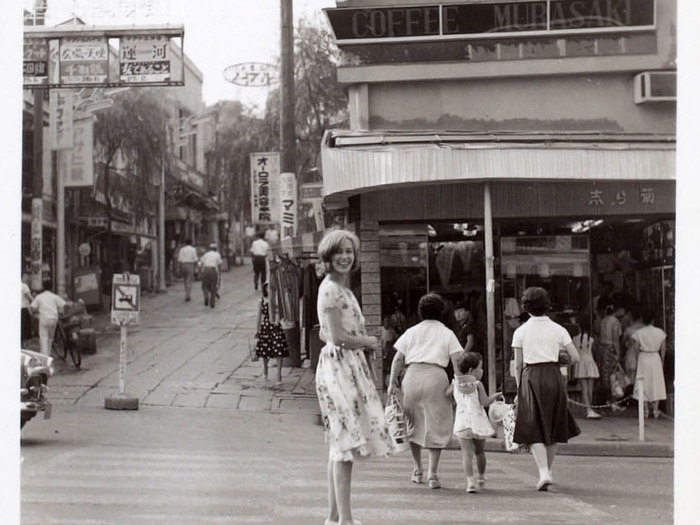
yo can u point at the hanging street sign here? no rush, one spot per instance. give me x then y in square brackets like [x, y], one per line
[252, 74]
[288, 203]
[265, 187]
[144, 58]
[83, 60]
[126, 298]
[35, 67]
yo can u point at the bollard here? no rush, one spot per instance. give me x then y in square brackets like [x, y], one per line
[640, 405]
[121, 400]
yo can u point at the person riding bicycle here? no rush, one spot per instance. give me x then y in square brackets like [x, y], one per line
[48, 306]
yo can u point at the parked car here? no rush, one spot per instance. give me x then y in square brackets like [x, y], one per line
[35, 370]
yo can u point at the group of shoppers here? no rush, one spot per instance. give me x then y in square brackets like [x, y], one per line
[352, 411]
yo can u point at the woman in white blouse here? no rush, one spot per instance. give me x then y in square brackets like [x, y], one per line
[543, 418]
[426, 349]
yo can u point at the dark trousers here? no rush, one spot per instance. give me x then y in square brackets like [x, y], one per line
[210, 281]
[259, 270]
[26, 325]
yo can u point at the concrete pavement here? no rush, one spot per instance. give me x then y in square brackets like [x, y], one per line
[227, 379]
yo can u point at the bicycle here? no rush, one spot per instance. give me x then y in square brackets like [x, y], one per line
[61, 346]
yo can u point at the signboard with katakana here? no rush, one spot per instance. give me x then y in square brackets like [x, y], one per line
[288, 202]
[144, 58]
[35, 67]
[265, 187]
[83, 60]
[126, 298]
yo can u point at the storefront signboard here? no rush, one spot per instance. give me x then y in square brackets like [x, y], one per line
[144, 59]
[310, 191]
[492, 19]
[80, 172]
[265, 187]
[83, 60]
[288, 203]
[61, 119]
[35, 66]
[252, 74]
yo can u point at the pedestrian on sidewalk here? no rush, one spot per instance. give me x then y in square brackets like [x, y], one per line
[352, 412]
[543, 418]
[211, 268]
[272, 343]
[426, 349]
[609, 348]
[472, 425]
[259, 250]
[48, 306]
[25, 316]
[650, 344]
[586, 372]
[187, 258]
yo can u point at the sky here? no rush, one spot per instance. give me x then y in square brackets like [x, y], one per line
[218, 33]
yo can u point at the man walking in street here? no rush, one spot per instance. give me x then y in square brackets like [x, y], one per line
[211, 267]
[259, 249]
[187, 259]
[48, 306]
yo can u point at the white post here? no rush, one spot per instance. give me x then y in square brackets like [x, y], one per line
[640, 406]
[490, 290]
[122, 356]
[60, 226]
[162, 286]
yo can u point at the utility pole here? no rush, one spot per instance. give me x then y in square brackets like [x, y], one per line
[36, 245]
[287, 101]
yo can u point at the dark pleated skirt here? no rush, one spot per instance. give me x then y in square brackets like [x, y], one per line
[543, 414]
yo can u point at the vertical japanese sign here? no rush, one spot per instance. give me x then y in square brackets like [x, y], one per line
[288, 204]
[264, 187]
[61, 118]
[144, 58]
[83, 60]
[35, 66]
[79, 166]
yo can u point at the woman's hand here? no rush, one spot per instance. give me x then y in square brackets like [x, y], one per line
[374, 343]
[392, 389]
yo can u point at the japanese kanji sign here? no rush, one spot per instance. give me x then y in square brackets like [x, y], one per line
[61, 118]
[35, 67]
[83, 60]
[265, 187]
[144, 58]
[81, 170]
[288, 202]
[126, 298]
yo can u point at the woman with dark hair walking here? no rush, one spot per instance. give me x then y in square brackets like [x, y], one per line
[543, 418]
[426, 349]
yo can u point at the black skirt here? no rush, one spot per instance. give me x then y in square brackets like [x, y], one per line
[543, 415]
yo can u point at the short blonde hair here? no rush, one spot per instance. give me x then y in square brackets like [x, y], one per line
[330, 245]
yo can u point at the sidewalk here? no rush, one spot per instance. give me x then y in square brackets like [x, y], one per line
[613, 435]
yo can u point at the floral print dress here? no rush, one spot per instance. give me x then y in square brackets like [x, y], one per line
[352, 412]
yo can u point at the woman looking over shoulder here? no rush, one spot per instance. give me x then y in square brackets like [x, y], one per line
[543, 418]
[352, 412]
[426, 349]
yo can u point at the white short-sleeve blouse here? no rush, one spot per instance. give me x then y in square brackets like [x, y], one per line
[430, 342]
[541, 339]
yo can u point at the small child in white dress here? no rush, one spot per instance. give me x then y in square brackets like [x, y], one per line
[472, 425]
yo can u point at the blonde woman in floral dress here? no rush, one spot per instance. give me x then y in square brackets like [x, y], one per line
[352, 412]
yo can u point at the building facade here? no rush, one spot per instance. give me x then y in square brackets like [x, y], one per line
[499, 145]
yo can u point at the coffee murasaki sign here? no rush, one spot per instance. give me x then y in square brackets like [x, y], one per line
[449, 21]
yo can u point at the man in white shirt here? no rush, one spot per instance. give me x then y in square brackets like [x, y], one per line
[47, 305]
[259, 249]
[211, 266]
[187, 259]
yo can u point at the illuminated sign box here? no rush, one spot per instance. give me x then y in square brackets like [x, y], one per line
[460, 21]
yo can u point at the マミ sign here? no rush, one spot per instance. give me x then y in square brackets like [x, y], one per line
[288, 202]
[252, 74]
[83, 60]
[144, 58]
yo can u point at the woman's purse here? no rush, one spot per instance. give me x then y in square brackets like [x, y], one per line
[508, 421]
[619, 381]
[399, 427]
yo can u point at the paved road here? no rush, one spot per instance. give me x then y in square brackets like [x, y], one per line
[212, 444]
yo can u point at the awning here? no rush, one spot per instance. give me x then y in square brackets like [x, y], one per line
[356, 162]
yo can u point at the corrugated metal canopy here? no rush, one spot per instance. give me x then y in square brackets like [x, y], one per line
[355, 162]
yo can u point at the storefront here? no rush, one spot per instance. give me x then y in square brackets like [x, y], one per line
[499, 145]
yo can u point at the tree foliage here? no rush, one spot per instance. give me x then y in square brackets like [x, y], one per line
[131, 146]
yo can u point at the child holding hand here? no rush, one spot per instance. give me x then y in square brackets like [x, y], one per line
[472, 425]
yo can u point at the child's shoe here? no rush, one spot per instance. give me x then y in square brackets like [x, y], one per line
[481, 481]
[471, 485]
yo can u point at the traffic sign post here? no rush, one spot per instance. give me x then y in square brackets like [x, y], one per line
[126, 305]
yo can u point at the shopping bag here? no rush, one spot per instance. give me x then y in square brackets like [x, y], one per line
[509, 429]
[619, 380]
[399, 426]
